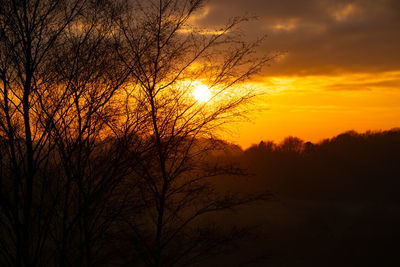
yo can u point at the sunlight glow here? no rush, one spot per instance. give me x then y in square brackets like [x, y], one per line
[314, 107]
[201, 93]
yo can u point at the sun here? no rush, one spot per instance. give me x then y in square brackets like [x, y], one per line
[201, 93]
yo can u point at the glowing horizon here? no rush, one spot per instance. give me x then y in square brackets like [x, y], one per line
[317, 107]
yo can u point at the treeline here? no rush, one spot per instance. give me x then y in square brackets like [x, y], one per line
[347, 165]
[335, 202]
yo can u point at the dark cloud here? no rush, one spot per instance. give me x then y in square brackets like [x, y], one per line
[392, 83]
[320, 35]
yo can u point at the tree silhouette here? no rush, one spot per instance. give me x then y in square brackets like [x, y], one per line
[59, 75]
[29, 30]
[167, 57]
[103, 146]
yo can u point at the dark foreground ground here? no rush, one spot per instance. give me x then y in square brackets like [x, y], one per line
[336, 203]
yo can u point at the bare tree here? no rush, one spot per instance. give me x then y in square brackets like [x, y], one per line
[103, 146]
[59, 76]
[167, 57]
[29, 30]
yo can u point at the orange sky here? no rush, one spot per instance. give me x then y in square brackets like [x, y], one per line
[317, 107]
[340, 72]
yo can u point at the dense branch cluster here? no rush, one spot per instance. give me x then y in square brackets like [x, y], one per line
[103, 150]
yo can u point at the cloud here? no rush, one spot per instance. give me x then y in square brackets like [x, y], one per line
[347, 87]
[321, 36]
[345, 12]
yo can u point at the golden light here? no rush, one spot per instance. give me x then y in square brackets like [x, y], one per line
[201, 93]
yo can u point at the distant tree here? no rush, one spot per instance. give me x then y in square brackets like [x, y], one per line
[267, 146]
[292, 144]
[309, 147]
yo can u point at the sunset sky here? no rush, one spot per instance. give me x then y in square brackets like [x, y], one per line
[340, 69]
